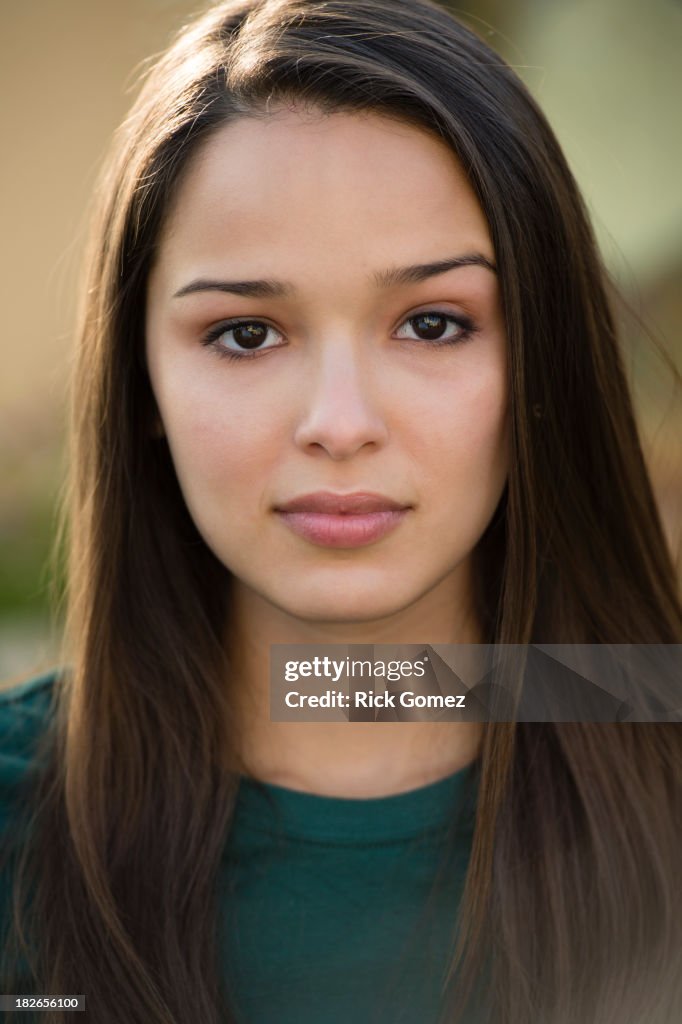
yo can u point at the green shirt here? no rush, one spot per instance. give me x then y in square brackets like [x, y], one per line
[337, 910]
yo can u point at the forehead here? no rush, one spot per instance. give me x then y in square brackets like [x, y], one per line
[357, 187]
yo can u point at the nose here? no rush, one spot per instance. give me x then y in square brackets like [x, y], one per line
[340, 410]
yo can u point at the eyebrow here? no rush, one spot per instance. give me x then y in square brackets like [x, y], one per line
[269, 288]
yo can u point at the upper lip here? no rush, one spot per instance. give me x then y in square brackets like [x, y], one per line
[327, 501]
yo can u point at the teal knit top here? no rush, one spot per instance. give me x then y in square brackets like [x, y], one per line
[336, 910]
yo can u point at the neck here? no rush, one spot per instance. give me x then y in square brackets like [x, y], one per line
[348, 759]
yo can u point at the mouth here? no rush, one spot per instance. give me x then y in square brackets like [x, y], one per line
[342, 521]
[344, 530]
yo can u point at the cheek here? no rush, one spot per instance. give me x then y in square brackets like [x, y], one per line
[220, 448]
[471, 485]
[461, 429]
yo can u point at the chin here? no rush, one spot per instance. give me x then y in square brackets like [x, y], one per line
[348, 607]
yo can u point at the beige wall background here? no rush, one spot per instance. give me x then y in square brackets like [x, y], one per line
[606, 72]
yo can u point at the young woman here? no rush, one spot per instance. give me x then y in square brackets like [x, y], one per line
[337, 249]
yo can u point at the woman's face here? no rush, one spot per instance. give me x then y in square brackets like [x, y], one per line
[348, 389]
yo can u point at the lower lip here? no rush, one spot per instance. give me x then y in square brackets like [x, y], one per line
[343, 531]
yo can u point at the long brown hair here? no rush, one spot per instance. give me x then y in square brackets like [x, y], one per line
[572, 899]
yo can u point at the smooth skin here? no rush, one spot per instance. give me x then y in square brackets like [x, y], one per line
[346, 393]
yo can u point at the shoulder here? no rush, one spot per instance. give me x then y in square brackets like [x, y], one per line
[25, 711]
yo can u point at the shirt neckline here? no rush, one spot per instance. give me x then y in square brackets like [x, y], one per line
[446, 803]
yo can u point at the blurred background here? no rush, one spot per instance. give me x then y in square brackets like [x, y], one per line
[606, 72]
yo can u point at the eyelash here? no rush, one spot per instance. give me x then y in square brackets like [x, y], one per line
[210, 339]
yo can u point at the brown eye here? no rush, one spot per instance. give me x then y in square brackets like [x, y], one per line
[432, 325]
[247, 335]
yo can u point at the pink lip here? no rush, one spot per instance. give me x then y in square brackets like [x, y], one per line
[341, 504]
[342, 520]
[343, 531]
